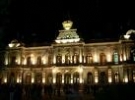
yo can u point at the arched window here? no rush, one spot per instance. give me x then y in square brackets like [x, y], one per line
[49, 59]
[29, 61]
[116, 58]
[59, 59]
[89, 59]
[102, 59]
[76, 78]
[39, 60]
[13, 60]
[67, 78]
[132, 55]
[75, 58]
[67, 59]
[89, 78]
[58, 78]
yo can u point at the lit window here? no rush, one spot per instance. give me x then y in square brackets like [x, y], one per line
[102, 59]
[116, 58]
[59, 59]
[89, 59]
[133, 56]
[75, 58]
[67, 59]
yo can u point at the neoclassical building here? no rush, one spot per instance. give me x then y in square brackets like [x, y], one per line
[69, 60]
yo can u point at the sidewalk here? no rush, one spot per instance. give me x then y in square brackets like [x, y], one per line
[63, 97]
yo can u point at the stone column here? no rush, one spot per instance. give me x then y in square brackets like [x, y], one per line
[54, 58]
[32, 77]
[62, 78]
[109, 75]
[43, 77]
[5, 77]
[54, 75]
[80, 55]
[96, 78]
[71, 78]
[81, 74]
[81, 79]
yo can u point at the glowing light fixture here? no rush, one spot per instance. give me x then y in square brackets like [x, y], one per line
[80, 69]
[5, 80]
[81, 80]
[43, 80]
[32, 80]
[54, 70]
[96, 79]
[126, 79]
[18, 80]
[110, 79]
[54, 80]
[95, 58]
[127, 36]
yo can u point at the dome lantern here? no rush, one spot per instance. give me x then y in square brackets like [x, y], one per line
[67, 24]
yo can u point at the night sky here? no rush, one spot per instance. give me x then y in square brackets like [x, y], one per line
[39, 21]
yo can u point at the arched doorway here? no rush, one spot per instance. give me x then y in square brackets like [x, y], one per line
[67, 78]
[49, 79]
[28, 78]
[12, 78]
[89, 78]
[58, 78]
[1, 77]
[102, 78]
[116, 77]
[76, 78]
[38, 78]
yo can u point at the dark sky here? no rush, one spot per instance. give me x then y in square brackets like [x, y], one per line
[39, 21]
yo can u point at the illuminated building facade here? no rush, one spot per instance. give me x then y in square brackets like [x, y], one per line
[69, 60]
